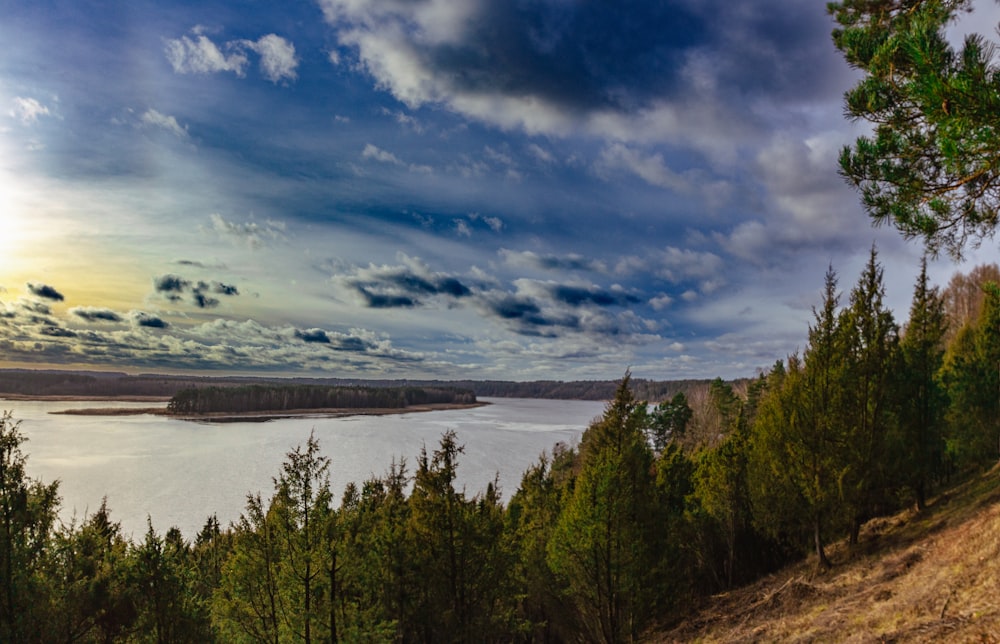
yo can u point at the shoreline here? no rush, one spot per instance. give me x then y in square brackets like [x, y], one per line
[261, 416]
[69, 398]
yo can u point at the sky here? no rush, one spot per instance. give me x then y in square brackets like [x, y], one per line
[444, 189]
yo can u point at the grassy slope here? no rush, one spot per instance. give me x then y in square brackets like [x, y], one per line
[927, 577]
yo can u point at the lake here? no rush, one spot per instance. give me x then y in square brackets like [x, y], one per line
[180, 472]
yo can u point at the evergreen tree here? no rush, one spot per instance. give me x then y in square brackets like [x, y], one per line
[668, 421]
[798, 440]
[922, 399]
[870, 347]
[972, 377]
[27, 515]
[601, 544]
[932, 165]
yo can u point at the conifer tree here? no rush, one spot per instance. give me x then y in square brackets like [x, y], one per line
[870, 337]
[601, 544]
[932, 166]
[922, 397]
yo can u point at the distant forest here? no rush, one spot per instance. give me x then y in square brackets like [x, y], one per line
[258, 398]
[29, 382]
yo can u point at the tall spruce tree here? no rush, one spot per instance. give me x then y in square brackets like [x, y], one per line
[922, 397]
[601, 541]
[871, 338]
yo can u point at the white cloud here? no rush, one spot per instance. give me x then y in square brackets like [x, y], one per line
[661, 302]
[495, 223]
[676, 264]
[277, 57]
[169, 123]
[202, 56]
[462, 228]
[376, 153]
[251, 233]
[27, 110]
[199, 55]
[651, 168]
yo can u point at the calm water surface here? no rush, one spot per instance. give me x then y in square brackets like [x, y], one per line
[179, 472]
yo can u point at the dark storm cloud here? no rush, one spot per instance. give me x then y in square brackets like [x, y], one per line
[402, 286]
[57, 332]
[173, 287]
[45, 291]
[149, 321]
[585, 58]
[381, 301]
[577, 296]
[224, 289]
[203, 301]
[583, 55]
[171, 284]
[95, 315]
[34, 306]
[313, 335]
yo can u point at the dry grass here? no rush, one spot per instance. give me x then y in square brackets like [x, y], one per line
[927, 577]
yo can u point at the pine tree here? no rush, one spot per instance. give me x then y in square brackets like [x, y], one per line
[932, 166]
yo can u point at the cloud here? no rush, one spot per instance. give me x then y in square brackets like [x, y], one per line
[173, 287]
[45, 291]
[57, 332]
[34, 306]
[202, 56]
[92, 314]
[203, 301]
[148, 320]
[635, 71]
[313, 335]
[402, 286]
[170, 284]
[199, 55]
[169, 123]
[277, 58]
[375, 153]
[569, 262]
[250, 233]
[27, 110]
[495, 223]
[651, 168]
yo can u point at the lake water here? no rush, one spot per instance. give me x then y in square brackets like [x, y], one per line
[180, 472]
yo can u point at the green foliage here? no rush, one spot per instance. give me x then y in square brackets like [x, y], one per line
[922, 399]
[870, 357]
[972, 377]
[601, 543]
[669, 420]
[932, 165]
[27, 515]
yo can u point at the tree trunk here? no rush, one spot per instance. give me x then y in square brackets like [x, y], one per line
[821, 560]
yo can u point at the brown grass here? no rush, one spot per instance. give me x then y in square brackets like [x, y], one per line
[932, 576]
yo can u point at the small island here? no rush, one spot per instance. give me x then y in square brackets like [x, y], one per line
[271, 401]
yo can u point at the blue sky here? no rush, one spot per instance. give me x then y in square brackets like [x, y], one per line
[545, 189]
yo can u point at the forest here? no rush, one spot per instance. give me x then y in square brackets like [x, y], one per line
[268, 398]
[657, 506]
[98, 384]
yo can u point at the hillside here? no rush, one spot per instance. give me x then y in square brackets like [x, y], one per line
[927, 577]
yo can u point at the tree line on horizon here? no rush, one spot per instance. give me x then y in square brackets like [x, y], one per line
[657, 506]
[268, 398]
[33, 382]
